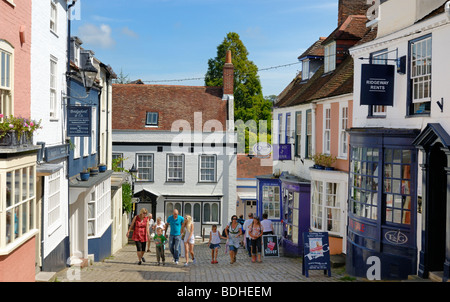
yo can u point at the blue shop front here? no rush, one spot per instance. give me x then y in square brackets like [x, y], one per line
[286, 200]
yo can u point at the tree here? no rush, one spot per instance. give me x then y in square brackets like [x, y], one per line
[248, 98]
[121, 78]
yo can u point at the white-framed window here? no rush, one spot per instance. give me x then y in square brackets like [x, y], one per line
[6, 78]
[309, 136]
[211, 212]
[271, 202]
[208, 168]
[151, 119]
[18, 218]
[330, 57]
[305, 69]
[326, 129]
[54, 199]
[144, 167]
[175, 167]
[99, 208]
[298, 133]
[280, 127]
[380, 58]
[420, 77]
[53, 87]
[325, 207]
[287, 131]
[343, 136]
[53, 16]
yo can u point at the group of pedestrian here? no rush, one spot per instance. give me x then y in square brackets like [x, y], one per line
[182, 230]
[145, 229]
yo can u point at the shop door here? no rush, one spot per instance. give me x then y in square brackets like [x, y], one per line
[194, 210]
[436, 205]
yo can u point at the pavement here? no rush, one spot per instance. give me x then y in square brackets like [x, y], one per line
[123, 267]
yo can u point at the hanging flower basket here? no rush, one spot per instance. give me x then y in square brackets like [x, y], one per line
[17, 131]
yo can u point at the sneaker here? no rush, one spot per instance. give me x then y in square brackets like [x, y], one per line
[159, 263]
[176, 262]
[143, 259]
[185, 264]
[139, 263]
[194, 261]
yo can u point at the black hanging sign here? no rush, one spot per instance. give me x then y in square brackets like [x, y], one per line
[79, 121]
[316, 252]
[377, 84]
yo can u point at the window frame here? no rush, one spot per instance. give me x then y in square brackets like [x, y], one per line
[267, 200]
[379, 57]
[150, 115]
[287, 128]
[309, 134]
[326, 147]
[343, 125]
[101, 204]
[321, 205]
[53, 88]
[53, 18]
[173, 179]
[298, 133]
[151, 168]
[7, 91]
[200, 168]
[330, 57]
[306, 69]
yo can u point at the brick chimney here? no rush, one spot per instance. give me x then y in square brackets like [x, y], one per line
[228, 75]
[351, 7]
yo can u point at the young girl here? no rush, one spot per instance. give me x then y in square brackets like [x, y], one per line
[214, 243]
[188, 239]
[255, 231]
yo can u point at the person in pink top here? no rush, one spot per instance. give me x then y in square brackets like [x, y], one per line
[141, 234]
[255, 232]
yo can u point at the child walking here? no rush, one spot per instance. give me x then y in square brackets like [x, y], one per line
[159, 244]
[214, 243]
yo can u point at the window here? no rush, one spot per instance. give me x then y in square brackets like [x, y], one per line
[99, 208]
[291, 215]
[53, 16]
[175, 167]
[211, 212]
[6, 76]
[420, 75]
[118, 159]
[381, 58]
[20, 207]
[305, 70]
[280, 131]
[94, 130]
[327, 130]
[271, 202]
[288, 128]
[308, 134]
[152, 119]
[298, 130]
[54, 199]
[53, 81]
[145, 167]
[330, 57]
[208, 167]
[343, 136]
[325, 207]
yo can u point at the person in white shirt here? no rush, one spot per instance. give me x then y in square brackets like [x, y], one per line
[267, 225]
[247, 223]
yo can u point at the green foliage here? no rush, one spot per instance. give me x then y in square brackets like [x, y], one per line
[248, 98]
[127, 194]
[21, 125]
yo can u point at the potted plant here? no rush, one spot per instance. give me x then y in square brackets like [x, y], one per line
[318, 161]
[17, 131]
[84, 175]
[93, 171]
[101, 168]
[328, 160]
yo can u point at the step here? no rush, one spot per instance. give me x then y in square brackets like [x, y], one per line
[45, 277]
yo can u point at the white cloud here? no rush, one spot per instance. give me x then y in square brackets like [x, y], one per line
[129, 33]
[96, 35]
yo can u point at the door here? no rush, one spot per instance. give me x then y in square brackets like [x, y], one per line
[194, 210]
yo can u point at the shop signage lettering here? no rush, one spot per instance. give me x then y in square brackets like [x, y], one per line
[270, 245]
[377, 84]
[357, 226]
[282, 152]
[396, 237]
[79, 121]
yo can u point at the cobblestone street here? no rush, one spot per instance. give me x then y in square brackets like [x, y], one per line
[123, 267]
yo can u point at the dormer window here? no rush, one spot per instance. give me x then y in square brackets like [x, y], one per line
[330, 57]
[152, 119]
[305, 70]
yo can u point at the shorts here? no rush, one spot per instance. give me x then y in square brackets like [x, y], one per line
[214, 246]
[233, 248]
[140, 246]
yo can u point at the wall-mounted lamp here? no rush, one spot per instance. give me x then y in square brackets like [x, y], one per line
[441, 103]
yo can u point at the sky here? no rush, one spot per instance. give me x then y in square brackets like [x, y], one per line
[168, 41]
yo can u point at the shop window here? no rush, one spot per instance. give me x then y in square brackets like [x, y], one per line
[291, 215]
[325, 207]
[99, 209]
[54, 199]
[211, 212]
[20, 206]
[271, 202]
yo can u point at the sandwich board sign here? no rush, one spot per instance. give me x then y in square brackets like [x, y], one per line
[270, 246]
[316, 252]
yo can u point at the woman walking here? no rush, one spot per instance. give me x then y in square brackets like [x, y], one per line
[188, 238]
[255, 231]
[233, 232]
[139, 225]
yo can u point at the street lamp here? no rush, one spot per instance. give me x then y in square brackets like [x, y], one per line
[133, 172]
[88, 74]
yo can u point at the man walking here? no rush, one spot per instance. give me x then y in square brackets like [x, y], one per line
[247, 223]
[175, 222]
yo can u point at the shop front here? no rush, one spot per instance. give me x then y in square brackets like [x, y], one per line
[382, 207]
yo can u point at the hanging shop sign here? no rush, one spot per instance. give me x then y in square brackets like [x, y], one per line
[79, 121]
[377, 84]
[316, 252]
[282, 152]
[270, 246]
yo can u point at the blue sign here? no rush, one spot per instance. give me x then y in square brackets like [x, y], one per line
[282, 152]
[377, 84]
[79, 121]
[316, 252]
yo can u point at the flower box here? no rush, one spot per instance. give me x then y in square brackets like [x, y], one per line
[12, 138]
